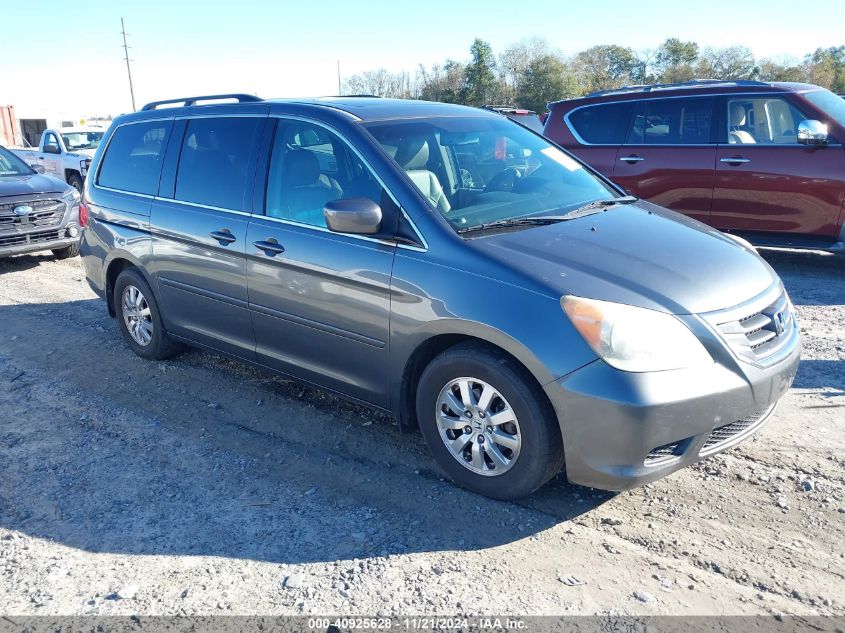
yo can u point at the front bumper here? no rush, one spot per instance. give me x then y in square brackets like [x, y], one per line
[37, 241]
[623, 429]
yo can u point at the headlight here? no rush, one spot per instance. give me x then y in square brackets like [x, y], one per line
[635, 339]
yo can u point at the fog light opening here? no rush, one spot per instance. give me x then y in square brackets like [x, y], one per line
[72, 231]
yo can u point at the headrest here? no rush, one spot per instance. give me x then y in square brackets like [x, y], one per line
[301, 167]
[412, 153]
[737, 114]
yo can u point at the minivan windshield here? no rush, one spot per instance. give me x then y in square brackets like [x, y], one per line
[11, 165]
[832, 104]
[482, 170]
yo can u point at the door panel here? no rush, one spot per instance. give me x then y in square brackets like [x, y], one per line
[320, 301]
[52, 162]
[203, 279]
[199, 238]
[668, 157]
[679, 178]
[599, 157]
[765, 180]
[779, 188]
[321, 308]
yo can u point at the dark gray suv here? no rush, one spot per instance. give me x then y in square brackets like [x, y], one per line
[448, 266]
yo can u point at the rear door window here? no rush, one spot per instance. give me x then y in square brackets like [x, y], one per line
[133, 158]
[672, 122]
[215, 160]
[603, 124]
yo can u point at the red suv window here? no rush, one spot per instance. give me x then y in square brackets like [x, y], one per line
[603, 124]
[672, 122]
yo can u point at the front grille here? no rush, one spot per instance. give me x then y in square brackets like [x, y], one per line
[762, 331]
[45, 213]
[29, 238]
[731, 433]
[665, 453]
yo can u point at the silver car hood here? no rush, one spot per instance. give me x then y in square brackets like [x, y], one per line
[638, 254]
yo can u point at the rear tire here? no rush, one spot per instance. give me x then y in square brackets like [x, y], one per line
[139, 318]
[510, 444]
[67, 252]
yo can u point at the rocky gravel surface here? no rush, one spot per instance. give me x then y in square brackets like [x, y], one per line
[201, 486]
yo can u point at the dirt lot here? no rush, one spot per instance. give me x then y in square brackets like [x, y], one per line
[200, 486]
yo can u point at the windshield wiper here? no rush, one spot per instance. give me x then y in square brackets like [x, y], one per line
[539, 220]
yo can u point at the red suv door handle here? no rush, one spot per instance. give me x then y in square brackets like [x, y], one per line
[631, 159]
[735, 160]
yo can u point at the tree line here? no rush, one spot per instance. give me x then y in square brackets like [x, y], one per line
[530, 73]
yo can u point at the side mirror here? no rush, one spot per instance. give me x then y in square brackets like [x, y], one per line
[38, 169]
[812, 132]
[52, 149]
[357, 216]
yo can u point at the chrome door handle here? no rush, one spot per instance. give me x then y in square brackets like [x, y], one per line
[223, 236]
[735, 160]
[270, 246]
[631, 159]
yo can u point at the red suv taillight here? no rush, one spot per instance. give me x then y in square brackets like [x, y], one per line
[83, 212]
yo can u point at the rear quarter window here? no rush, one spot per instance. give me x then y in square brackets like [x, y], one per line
[133, 157]
[604, 124]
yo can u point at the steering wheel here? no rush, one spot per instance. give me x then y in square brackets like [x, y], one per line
[504, 180]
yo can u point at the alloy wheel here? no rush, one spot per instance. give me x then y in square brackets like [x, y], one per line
[137, 316]
[478, 426]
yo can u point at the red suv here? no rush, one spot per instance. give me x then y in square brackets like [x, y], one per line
[764, 160]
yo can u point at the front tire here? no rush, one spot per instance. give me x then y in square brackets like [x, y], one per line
[487, 423]
[76, 182]
[139, 318]
[67, 252]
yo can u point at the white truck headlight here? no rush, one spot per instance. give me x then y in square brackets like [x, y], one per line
[635, 339]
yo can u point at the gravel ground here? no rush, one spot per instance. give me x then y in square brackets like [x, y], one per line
[201, 486]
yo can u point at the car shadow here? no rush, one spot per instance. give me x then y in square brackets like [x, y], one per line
[810, 278]
[821, 374]
[814, 279]
[19, 263]
[201, 455]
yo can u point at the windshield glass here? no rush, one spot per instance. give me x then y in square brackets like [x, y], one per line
[82, 140]
[480, 170]
[833, 104]
[11, 165]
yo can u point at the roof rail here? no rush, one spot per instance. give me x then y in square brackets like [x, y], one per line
[359, 96]
[693, 83]
[189, 101]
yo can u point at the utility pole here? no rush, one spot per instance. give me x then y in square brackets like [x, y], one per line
[126, 57]
[339, 89]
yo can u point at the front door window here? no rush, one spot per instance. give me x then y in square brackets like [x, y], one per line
[762, 121]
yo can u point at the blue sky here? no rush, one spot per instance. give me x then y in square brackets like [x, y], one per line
[66, 56]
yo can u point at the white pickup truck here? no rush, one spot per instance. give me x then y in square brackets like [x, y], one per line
[65, 153]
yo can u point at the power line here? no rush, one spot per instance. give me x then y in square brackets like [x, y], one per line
[126, 57]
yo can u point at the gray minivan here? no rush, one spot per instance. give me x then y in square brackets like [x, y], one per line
[448, 266]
